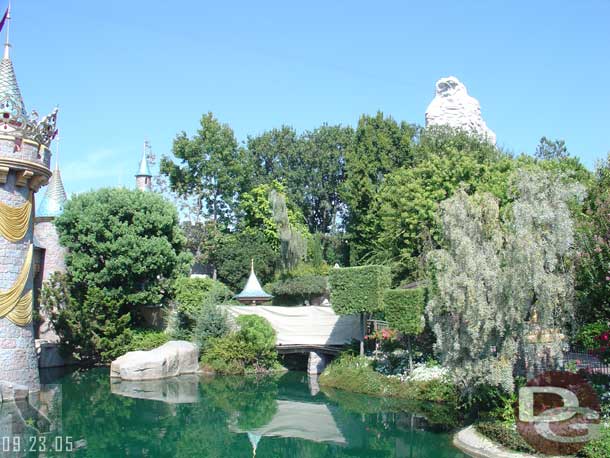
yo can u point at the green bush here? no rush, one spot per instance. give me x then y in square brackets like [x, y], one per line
[211, 323]
[598, 448]
[358, 289]
[249, 349]
[404, 309]
[505, 435]
[192, 295]
[125, 242]
[588, 335]
[356, 374]
[147, 339]
[299, 288]
[91, 327]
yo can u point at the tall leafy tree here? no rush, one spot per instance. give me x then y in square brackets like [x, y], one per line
[493, 276]
[323, 153]
[380, 146]
[552, 149]
[126, 243]
[408, 200]
[309, 166]
[211, 169]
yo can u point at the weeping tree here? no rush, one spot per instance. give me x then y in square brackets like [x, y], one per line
[497, 280]
[293, 245]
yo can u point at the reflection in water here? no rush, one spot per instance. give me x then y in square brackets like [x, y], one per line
[176, 390]
[277, 416]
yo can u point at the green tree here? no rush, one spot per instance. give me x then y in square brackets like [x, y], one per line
[408, 200]
[593, 236]
[492, 277]
[91, 326]
[552, 149]
[211, 170]
[233, 253]
[126, 243]
[380, 146]
[323, 153]
[309, 166]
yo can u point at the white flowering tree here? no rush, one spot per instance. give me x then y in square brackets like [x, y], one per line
[494, 276]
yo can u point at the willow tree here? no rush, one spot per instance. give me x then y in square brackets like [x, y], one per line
[466, 307]
[495, 279]
[293, 245]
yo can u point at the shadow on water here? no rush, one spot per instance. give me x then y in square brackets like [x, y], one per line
[282, 415]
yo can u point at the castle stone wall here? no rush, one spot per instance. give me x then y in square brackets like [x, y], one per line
[55, 255]
[18, 362]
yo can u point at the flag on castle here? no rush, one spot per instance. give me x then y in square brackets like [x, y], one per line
[2, 22]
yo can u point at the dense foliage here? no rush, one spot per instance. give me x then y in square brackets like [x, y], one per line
[380, 146]
[496, 275]
[403, 309]
[191, 296]
[125, 243]
[593, 279]
[299, 288]
[358, 289]
[210, 172]
[233, 253]
[90, 323]
[249, 349]
[211, 322]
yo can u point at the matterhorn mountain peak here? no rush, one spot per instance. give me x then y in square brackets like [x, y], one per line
[452, 106]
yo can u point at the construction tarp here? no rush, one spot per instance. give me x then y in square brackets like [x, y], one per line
[311, 325]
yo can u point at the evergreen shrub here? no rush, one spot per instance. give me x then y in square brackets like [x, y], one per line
[249, 349]
[192, 295]
[358, 289]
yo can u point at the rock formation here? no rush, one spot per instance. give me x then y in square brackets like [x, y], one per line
[169, 360]
[452, 106]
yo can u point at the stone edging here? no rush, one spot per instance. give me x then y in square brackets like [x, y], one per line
[469, 441]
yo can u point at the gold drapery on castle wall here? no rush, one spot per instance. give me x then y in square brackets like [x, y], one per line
[15, 221]
[13, 305]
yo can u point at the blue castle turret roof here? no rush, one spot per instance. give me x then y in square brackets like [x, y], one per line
[144, 169]
[52, 204]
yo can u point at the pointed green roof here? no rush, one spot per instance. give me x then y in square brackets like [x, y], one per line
[144, 170]
[9, 89]
[52, 204]
[253, 291]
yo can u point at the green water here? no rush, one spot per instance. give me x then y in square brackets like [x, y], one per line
[283, 416]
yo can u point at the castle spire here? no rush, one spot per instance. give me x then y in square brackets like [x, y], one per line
[144, 177]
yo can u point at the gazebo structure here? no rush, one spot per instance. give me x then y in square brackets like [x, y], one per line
[253, 293]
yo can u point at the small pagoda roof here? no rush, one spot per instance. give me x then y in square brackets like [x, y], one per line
[253, 290]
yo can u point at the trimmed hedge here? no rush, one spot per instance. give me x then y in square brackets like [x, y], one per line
[300, 287]
[404, 309]
[358, 289]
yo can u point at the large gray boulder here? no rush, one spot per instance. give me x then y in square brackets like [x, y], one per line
[169, 360]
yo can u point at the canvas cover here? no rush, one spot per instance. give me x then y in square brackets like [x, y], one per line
[311, 325]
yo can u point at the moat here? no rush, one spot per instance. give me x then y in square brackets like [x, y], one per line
[84, 414]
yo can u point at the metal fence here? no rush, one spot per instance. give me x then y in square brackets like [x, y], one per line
[581, 358]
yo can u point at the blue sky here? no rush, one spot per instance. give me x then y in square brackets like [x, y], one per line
[123, 71]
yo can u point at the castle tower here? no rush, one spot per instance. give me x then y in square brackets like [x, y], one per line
[144, 177]
[24, 168]
[49, 255]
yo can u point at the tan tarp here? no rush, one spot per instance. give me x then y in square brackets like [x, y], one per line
[314, 325]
